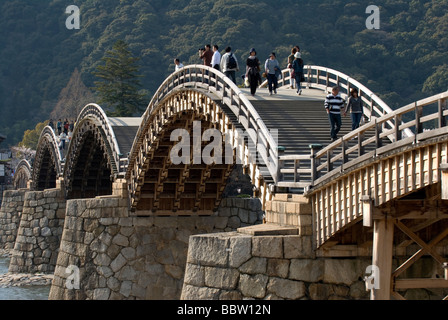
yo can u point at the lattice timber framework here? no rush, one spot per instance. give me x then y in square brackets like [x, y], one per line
[193, 187]
[88, 170]
[47, 164]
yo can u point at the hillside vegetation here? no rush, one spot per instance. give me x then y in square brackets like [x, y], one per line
[403, 61]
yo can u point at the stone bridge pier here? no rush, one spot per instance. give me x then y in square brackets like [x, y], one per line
[39, 232]
[120, 256]
[10, 215]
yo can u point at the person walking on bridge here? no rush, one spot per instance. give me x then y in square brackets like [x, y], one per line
[59, 126]
[272, 68]
[178, 65]
[229, 64]
[297, 66]
[291, 58]
[253, 71]
[206, 55]
[355, 107]
[216, 59]
[334, 104]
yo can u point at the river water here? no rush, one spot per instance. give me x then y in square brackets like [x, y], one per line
[21, 293]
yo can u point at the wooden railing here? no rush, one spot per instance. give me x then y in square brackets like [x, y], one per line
[366, 143]
[322, 78]
[215, 82]
[49, 132]
[95, 112]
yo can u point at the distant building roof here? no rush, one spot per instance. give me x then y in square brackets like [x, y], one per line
[2, 138]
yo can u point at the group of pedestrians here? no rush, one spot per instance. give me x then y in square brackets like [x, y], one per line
[335, 105]
[64, 132]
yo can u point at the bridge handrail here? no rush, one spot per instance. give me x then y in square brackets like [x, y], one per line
[199, 76]
[325, 78]
[339, 151]
[49, 131]
[98, 113]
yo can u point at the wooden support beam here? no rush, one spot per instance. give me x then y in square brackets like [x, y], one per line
[420, 242]
[383, 236]
[420, 253]
[404, 284]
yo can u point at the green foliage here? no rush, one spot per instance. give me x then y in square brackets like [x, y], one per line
[403, 62]
[31, 137]
[119, 84]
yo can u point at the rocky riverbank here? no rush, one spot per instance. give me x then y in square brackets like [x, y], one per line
[9, 280]
[25, 280]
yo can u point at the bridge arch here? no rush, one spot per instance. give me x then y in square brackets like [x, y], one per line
[158, 185]
[22, 175]
[93, 157]
[204, 94]
[47, 167]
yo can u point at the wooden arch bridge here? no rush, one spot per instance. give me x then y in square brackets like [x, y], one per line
[390, 174]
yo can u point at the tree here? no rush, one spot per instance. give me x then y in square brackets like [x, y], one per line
[119, 84]
[31, 137]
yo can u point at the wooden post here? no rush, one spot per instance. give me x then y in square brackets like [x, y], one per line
[444, 181]
[367, 211]
[445, 266]
[442, 108]
[314, 163]
[383, 240]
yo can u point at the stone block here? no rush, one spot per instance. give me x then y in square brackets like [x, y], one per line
[118, 263]
[194, 275]
[338, 271]
[175, 272]
[46, 232]
[230, 295]
[221, 278]
[254, 266]
[278, 268]
[221, 222]
[101, 294]
[306, 270]
[358, 291]
[209, 250]
[240, 250]
[199, 293]
[267, 247]
[129, 253]
[320, 291]
[253, 286]
[125, 289]
[127, 273]
[286, 289]
[234, 222]
[120, 240]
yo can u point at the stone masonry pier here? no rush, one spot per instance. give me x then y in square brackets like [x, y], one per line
[38, 237]
[10, 215]
[125, 257]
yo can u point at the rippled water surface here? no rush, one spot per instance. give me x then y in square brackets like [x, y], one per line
[24, 293]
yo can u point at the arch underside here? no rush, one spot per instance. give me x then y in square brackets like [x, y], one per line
[21, 177]
[46, 167]
[166, 188]
[88, 170]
